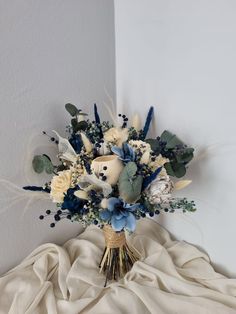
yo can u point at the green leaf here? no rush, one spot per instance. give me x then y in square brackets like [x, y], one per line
[78, 126]
[130, 185]
[171, 139]
[82, 125]
[74, 124]
[48, 166]
[42, 163]
[130, 169]
[154, 145]
[73, 111]
[186, 156]
[38, 164]
[175, 169]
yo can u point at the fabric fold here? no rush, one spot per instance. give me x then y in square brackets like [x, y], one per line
[172, 277]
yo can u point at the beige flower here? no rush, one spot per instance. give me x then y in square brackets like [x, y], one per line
[145, 158]
[59, 185]
[158, 162]
[144, 148]
[81, 194]
[140, 145]
[87, 144]
[112, 165]
[104, 203]
[116, 136]
[159, 191]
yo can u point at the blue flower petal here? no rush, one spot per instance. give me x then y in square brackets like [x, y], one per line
[118, 215]
[105, 214]
[118, 225]
[125, 213]
[118, 151]
[130, 222]
[112, 201]
[129, 152]
[131, 207]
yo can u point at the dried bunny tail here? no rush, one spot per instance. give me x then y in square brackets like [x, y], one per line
[207, 151]
[87, 144]
[112, 112]
[181, 184]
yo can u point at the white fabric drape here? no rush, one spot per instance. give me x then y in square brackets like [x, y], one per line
[173, 277]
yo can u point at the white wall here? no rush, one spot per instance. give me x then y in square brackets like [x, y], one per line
[176, 55]
[51, 52]
[180, 57]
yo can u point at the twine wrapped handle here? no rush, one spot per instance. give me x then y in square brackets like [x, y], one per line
[118, 257]
[113, 239]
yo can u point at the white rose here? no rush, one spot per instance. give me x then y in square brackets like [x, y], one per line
[160, 190]
[59, 185]
[116, 136]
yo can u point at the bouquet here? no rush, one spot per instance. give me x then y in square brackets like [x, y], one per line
[111, 175]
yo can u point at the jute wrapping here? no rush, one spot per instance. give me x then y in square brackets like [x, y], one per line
[113, 239]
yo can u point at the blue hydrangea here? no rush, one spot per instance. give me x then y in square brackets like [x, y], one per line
[120, 214]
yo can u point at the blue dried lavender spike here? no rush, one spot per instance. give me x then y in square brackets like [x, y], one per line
[97, 120]
[36, 188]
[96, 115]
[147, 123]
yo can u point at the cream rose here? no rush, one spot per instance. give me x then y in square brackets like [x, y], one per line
[116, 136]
[59, 185]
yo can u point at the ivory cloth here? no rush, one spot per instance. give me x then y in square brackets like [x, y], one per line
[173, 277]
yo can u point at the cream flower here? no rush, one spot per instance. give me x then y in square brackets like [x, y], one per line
[59, 185]
[104, 203]
[158, 162]
[145, 158]
[112, 165]
[140, 145]
[159, 191]
[144, 148]
[116, 136]
[81, 194]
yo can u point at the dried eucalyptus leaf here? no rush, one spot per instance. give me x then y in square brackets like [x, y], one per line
[38, 164]
[155, 146]
[73, 111]
[171, 139]
[130, 186]
[175, 169]
[48, 166]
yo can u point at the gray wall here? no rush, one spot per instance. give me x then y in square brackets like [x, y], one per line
[51, 52]
[180, 57]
